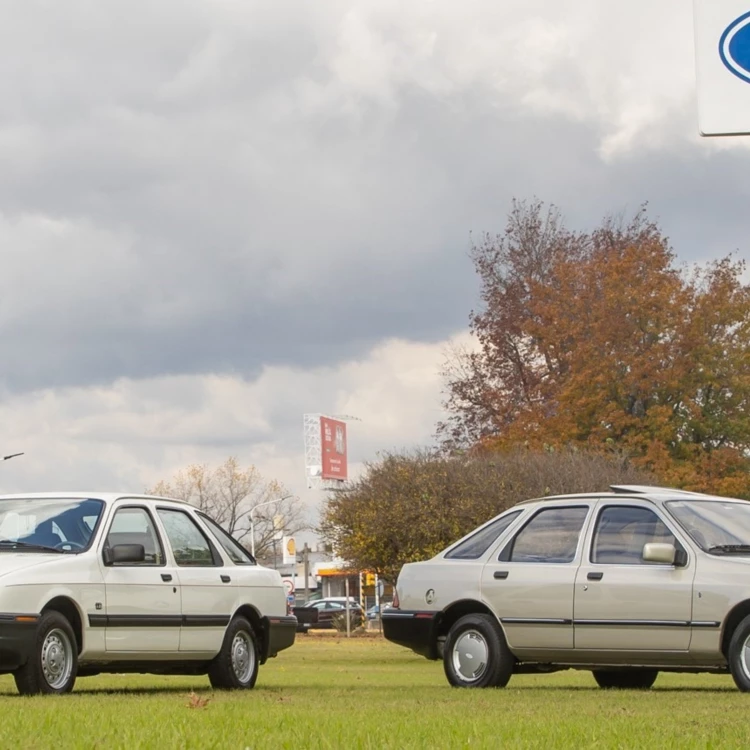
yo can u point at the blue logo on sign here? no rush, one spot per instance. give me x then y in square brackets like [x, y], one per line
[734, 47]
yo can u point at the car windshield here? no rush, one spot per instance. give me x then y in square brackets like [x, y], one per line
[47, 524]
[716, 526]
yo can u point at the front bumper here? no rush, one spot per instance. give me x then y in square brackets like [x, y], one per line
[280, 632]
[17, 638]
[414, 629]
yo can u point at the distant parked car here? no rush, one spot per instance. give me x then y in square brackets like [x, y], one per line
[129, 583]
[625, 583]
[374, 611]
[332, 614]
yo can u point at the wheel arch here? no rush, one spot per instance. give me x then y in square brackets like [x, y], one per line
[456, 611]
[736, 615]
[69, 609]
[253, 616]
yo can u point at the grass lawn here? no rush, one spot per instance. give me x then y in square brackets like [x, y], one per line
[327, 692]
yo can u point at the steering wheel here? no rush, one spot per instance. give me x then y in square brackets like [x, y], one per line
[75, 545]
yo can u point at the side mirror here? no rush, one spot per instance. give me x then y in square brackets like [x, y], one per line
[124, 553]
[659, 553]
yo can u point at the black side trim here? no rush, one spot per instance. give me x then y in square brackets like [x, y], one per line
[609, 623]
[636, 623]
[198, 621]
[158, 621]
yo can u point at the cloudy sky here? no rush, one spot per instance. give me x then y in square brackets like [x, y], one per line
[217, 215]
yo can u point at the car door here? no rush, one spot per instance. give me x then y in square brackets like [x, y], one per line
[622, 602]
[251, 581]
[208, 589]
[529, 585]
[142, 608]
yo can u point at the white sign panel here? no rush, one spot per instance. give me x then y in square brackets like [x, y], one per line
[722, 49]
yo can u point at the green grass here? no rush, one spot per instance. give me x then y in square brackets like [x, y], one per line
[327, 692]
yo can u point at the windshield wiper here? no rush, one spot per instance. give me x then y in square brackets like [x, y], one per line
[730, 549]
[9, 543]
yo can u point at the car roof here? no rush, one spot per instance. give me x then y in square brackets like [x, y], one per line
[634, 491]
[107, 497]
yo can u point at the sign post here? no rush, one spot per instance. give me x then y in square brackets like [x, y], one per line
[378, 584]
[348, 621]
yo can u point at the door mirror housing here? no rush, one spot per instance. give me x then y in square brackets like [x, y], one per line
[660, 553]
[124, 553]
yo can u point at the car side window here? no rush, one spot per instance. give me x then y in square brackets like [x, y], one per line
[551, 536]
[621, 531]
[235, 551]
[189, 544]
[477, 544]
[135, 526]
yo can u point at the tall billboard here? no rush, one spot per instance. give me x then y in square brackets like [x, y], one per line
[722, 52]
[333, 449]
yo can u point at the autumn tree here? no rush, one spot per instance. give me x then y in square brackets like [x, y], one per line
[227, 493]
[599, 339]
[408, 507]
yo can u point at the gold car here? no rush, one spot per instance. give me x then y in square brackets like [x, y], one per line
[625, 583]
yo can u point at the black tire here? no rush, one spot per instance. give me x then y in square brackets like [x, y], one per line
[235, 667]
[477, 637]
[735, 656]
[53, 663]
[625, 679]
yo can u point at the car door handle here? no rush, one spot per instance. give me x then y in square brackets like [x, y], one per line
[501, 574]
[225, 579]
[595, 576]
[166, 577]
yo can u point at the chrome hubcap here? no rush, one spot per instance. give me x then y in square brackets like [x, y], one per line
[470, 655]
[745, 657]
[57, 658]
[243, 656]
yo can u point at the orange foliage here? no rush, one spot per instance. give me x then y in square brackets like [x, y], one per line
[599, 340]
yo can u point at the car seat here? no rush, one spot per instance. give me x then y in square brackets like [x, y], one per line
[44, 535]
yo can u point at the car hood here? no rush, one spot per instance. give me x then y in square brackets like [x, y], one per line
[12, 562]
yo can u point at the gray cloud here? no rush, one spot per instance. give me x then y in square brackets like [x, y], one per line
[215, 187]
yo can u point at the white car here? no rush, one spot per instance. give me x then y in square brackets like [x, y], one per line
[101, 582]
[625, 583]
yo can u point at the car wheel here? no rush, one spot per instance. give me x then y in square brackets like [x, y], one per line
[53, 663]
[476, 654]
[236, 665]
[626, 679]
[738, 655]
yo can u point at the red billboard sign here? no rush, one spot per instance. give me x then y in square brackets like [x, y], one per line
[333, 443]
